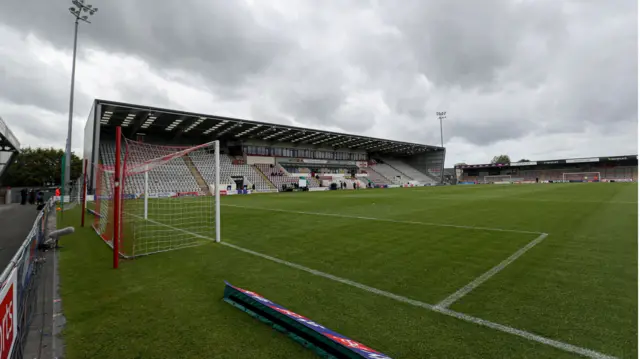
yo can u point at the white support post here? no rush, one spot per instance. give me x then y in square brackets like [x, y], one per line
[217, 188]
[146, 193]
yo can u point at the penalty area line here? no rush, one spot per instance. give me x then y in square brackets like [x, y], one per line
[383, 219]
[490, 273]
[461, 316]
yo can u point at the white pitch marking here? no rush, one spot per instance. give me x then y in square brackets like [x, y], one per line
[384, 219]
[464, 317]
[467, 318]
[515, 199]
[490, 273]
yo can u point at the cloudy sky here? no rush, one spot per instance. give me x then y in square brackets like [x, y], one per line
[535, 79]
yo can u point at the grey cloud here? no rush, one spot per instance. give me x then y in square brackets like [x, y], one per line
[24, 88]
[503, 69]
[459, 43]
[148, 95]
[486, 131]
[218, 39]
[307, 88]
[36, 128]
[25, 81]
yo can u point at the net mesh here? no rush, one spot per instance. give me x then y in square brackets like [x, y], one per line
[581, 177]
[75, 195]
[166, 202]
[497, 178]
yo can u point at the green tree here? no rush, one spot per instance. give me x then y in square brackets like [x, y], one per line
[38, 166]
[460, 164]
[501, 159]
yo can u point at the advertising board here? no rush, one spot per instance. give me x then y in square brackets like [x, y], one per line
[9, 313]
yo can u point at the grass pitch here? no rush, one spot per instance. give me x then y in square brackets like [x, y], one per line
[577, 286]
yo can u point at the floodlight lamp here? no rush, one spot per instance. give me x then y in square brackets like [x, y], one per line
[85, 17]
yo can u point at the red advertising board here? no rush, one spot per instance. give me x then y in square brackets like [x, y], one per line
[8, 315]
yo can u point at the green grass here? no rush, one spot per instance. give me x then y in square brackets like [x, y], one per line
[578, 286]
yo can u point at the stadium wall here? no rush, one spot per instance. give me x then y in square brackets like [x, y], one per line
[252, 160]
[254, 142]
[91, 145]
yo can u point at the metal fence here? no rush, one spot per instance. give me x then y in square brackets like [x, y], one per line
[19, 289]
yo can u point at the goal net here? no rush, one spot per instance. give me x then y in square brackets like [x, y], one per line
[497, 178]
[163, 201]
[75, 195]
[581, 177]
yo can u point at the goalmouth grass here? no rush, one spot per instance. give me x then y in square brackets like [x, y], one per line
[578, 286]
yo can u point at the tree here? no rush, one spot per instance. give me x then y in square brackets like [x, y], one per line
[459, 164]
[524, 160]
[35, 167]
[501, 159]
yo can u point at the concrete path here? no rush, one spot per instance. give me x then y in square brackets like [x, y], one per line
[15, 223]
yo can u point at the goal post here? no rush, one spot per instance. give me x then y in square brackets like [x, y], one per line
[497, 178]
[162, 200]
[581, 177]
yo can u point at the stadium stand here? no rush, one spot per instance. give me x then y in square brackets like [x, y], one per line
[174, 176]
[250, 174]
[375, 177]
[390, 173]
[620, 172]
[9, 148]
[205, 163]
[279, 176]
[621, 168]
[408, 171]
[249, 145]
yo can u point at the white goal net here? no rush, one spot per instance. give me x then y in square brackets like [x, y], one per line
[497, 179]
[75, 195]
[165, 202]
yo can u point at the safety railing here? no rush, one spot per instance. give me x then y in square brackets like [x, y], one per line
[19, 290]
